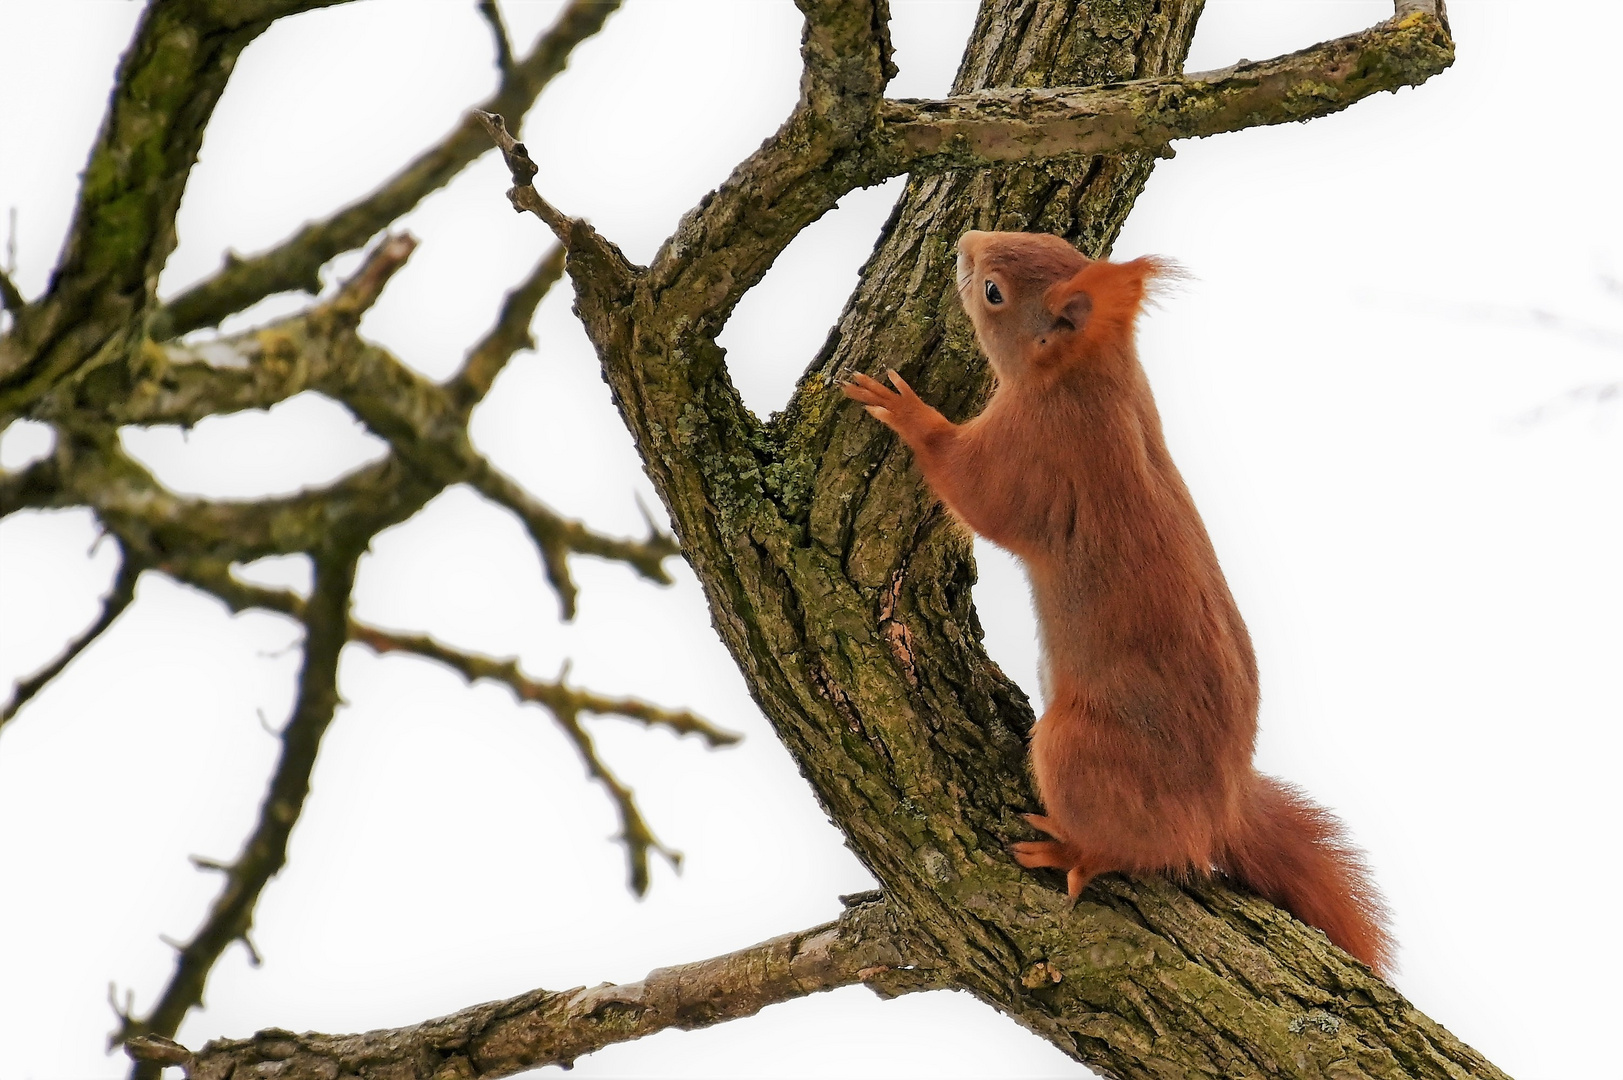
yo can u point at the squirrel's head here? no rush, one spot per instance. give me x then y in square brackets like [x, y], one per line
[1038, 304]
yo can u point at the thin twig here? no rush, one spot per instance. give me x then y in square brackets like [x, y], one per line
[635, 832]
[556, 694]
[113, 604]
[510, 334]
[326, 622]
[498, 30]
[523, 168]
[362, 289]
[556, 537]
[566, 704]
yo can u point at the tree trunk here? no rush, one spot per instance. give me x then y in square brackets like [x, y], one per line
[843, 593]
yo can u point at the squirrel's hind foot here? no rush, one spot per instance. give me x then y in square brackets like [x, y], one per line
[1052, 855]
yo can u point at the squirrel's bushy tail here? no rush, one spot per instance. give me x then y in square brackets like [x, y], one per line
[1296, 854]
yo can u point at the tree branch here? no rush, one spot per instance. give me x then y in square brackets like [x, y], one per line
[576, 236]
[159, 525]
[112, 606]
[554, 696]
[326, 621]
[425, 424]
[510, 335]
[545, 1027]
[214, 577]
[1028, 125]
[727, 244]
[294, 264]
[555, 537]
[566, 703]
[123, 228]
[498, 31]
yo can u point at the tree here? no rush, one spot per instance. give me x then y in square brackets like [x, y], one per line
[842, 595]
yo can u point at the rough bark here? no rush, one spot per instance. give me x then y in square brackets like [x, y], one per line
[545, 1027]
[843, 592]
[841, 589]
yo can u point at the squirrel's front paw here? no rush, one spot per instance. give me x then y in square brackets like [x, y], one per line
[900, 409]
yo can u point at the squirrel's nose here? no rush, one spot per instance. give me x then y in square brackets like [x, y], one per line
[967, 244]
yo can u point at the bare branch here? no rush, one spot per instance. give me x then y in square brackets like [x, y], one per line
[294, 264]
[635, 832]
[236, 13]
[216, 578]
[566, 704]
[425, 424]
[123, 228]
[1028, 125]
[546, 1027]
[498, 31]
[157, 1050]
[510, 334]
[159, 525]
[557, 695]
[556, 536]
[364, 287]
[112, 606]
[326, 620]
[727, 243]
[523, 195]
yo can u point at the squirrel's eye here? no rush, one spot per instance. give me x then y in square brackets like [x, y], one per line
[993, 296]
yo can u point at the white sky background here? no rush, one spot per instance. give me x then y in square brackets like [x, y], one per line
[1433, 583]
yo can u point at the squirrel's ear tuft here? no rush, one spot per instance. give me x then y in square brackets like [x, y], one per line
[1104, 298]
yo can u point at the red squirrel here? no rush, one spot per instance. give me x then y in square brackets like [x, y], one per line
[1142, 758]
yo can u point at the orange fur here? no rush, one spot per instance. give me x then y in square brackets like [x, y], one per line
[1143, 755]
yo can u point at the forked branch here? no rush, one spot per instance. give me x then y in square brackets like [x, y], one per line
[294, 263]
[566, 704]
[326, 619]
[123, 230]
